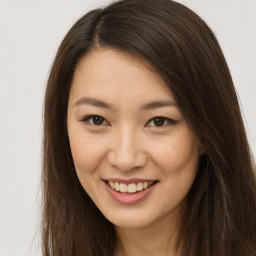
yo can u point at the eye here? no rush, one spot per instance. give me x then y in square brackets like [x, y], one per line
[95, 120]
[160, 121]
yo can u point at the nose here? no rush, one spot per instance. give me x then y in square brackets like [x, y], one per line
[127, 152]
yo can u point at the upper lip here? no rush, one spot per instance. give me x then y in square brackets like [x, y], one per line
[129, 181]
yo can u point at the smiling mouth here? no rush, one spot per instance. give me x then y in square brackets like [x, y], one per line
[131, 188]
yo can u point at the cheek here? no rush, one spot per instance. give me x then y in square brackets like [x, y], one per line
[86, 152]
[178, 154]
[178, 161]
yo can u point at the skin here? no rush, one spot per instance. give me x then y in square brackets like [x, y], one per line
[127, 144]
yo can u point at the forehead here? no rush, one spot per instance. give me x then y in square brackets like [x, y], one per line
[115, 75]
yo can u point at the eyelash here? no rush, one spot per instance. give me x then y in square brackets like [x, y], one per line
[90, 117]
[167, 121]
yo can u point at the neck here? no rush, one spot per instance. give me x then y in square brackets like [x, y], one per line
[155, 239]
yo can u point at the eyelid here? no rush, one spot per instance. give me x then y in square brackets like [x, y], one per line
[87, 118]
[169, 121]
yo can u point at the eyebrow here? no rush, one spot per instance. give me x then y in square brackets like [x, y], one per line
[148, 106]
[158, 104]
[94, 102]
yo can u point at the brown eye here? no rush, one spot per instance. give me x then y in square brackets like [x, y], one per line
[95, 120]
[159, 121]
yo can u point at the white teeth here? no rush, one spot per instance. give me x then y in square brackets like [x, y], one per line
[117, 186]
[112, 184]
[145, 185]
[130, 188]
[123, 188]
[140, 186]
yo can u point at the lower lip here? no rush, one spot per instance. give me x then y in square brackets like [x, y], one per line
[124, 198]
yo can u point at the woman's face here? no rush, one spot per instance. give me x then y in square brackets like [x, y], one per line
[133, 152]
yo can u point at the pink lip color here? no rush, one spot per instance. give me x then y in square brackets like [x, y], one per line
[127, 199]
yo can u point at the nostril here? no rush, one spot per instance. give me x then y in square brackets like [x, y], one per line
[124, 159]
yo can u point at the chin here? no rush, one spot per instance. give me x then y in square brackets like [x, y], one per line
[131, 223]
[131, 219]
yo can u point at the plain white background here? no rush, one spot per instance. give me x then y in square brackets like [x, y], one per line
[30, 32]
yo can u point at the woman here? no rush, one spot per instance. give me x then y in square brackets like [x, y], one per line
[145, 152]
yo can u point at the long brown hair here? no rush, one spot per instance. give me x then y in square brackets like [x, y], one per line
[220, 218]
